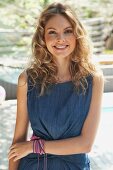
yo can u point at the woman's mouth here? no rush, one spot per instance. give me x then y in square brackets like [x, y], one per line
[60, 47]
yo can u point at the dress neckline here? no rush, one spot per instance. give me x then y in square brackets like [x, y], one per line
[65, 82]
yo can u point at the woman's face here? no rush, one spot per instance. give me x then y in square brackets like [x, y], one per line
[59, 37]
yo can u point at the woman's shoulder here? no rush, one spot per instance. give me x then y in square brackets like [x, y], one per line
[22, 79]
[98, 77]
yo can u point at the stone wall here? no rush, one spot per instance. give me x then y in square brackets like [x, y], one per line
[108, 73]
[95, 27]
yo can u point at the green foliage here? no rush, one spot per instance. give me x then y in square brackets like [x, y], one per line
[101, 1]
[5, 2]
[108, 51]
[44, 3]
[89, 12]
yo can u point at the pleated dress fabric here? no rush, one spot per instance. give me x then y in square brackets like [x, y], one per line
[58, 114]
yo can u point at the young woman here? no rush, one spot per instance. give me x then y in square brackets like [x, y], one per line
[60, 94]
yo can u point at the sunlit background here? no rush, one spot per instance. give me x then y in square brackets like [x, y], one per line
[18, 19]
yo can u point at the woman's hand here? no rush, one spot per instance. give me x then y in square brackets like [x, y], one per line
[20, 150]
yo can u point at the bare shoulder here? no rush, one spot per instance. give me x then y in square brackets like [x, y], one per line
[98, 78]
[22, 79]
[22, 86]
[98, 87]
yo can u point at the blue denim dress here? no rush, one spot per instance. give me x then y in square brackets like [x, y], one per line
[58, 114]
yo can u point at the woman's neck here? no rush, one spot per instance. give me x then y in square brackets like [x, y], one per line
[63, 70]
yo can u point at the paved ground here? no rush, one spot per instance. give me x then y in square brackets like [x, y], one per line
[101, 154]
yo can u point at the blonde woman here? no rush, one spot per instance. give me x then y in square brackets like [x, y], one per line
[60, 94]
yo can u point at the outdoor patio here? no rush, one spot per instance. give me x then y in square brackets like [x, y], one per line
[16, 30]
[101, 154]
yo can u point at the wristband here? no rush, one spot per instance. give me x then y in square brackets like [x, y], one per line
[38, 147]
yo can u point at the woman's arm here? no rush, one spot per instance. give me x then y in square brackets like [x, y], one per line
[84, 142]
[22, 120]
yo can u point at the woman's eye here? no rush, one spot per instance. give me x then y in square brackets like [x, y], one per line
[52, 32]
[68, 32]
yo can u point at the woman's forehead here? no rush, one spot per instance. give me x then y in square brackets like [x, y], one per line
[58, 21]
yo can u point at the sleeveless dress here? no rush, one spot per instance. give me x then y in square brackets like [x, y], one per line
[58, 114]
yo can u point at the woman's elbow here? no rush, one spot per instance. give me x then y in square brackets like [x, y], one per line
[88, 147]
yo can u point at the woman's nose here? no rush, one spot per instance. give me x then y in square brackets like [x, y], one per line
[60, 37]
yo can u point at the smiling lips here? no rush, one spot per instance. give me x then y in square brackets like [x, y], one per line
[60, 47]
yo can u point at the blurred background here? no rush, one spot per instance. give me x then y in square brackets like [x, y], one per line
[17, 24]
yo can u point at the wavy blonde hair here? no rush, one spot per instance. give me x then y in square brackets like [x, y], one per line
[43, 69]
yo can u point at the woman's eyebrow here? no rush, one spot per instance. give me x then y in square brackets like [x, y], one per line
[67, 27]
[55, 29]
[51, 28]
